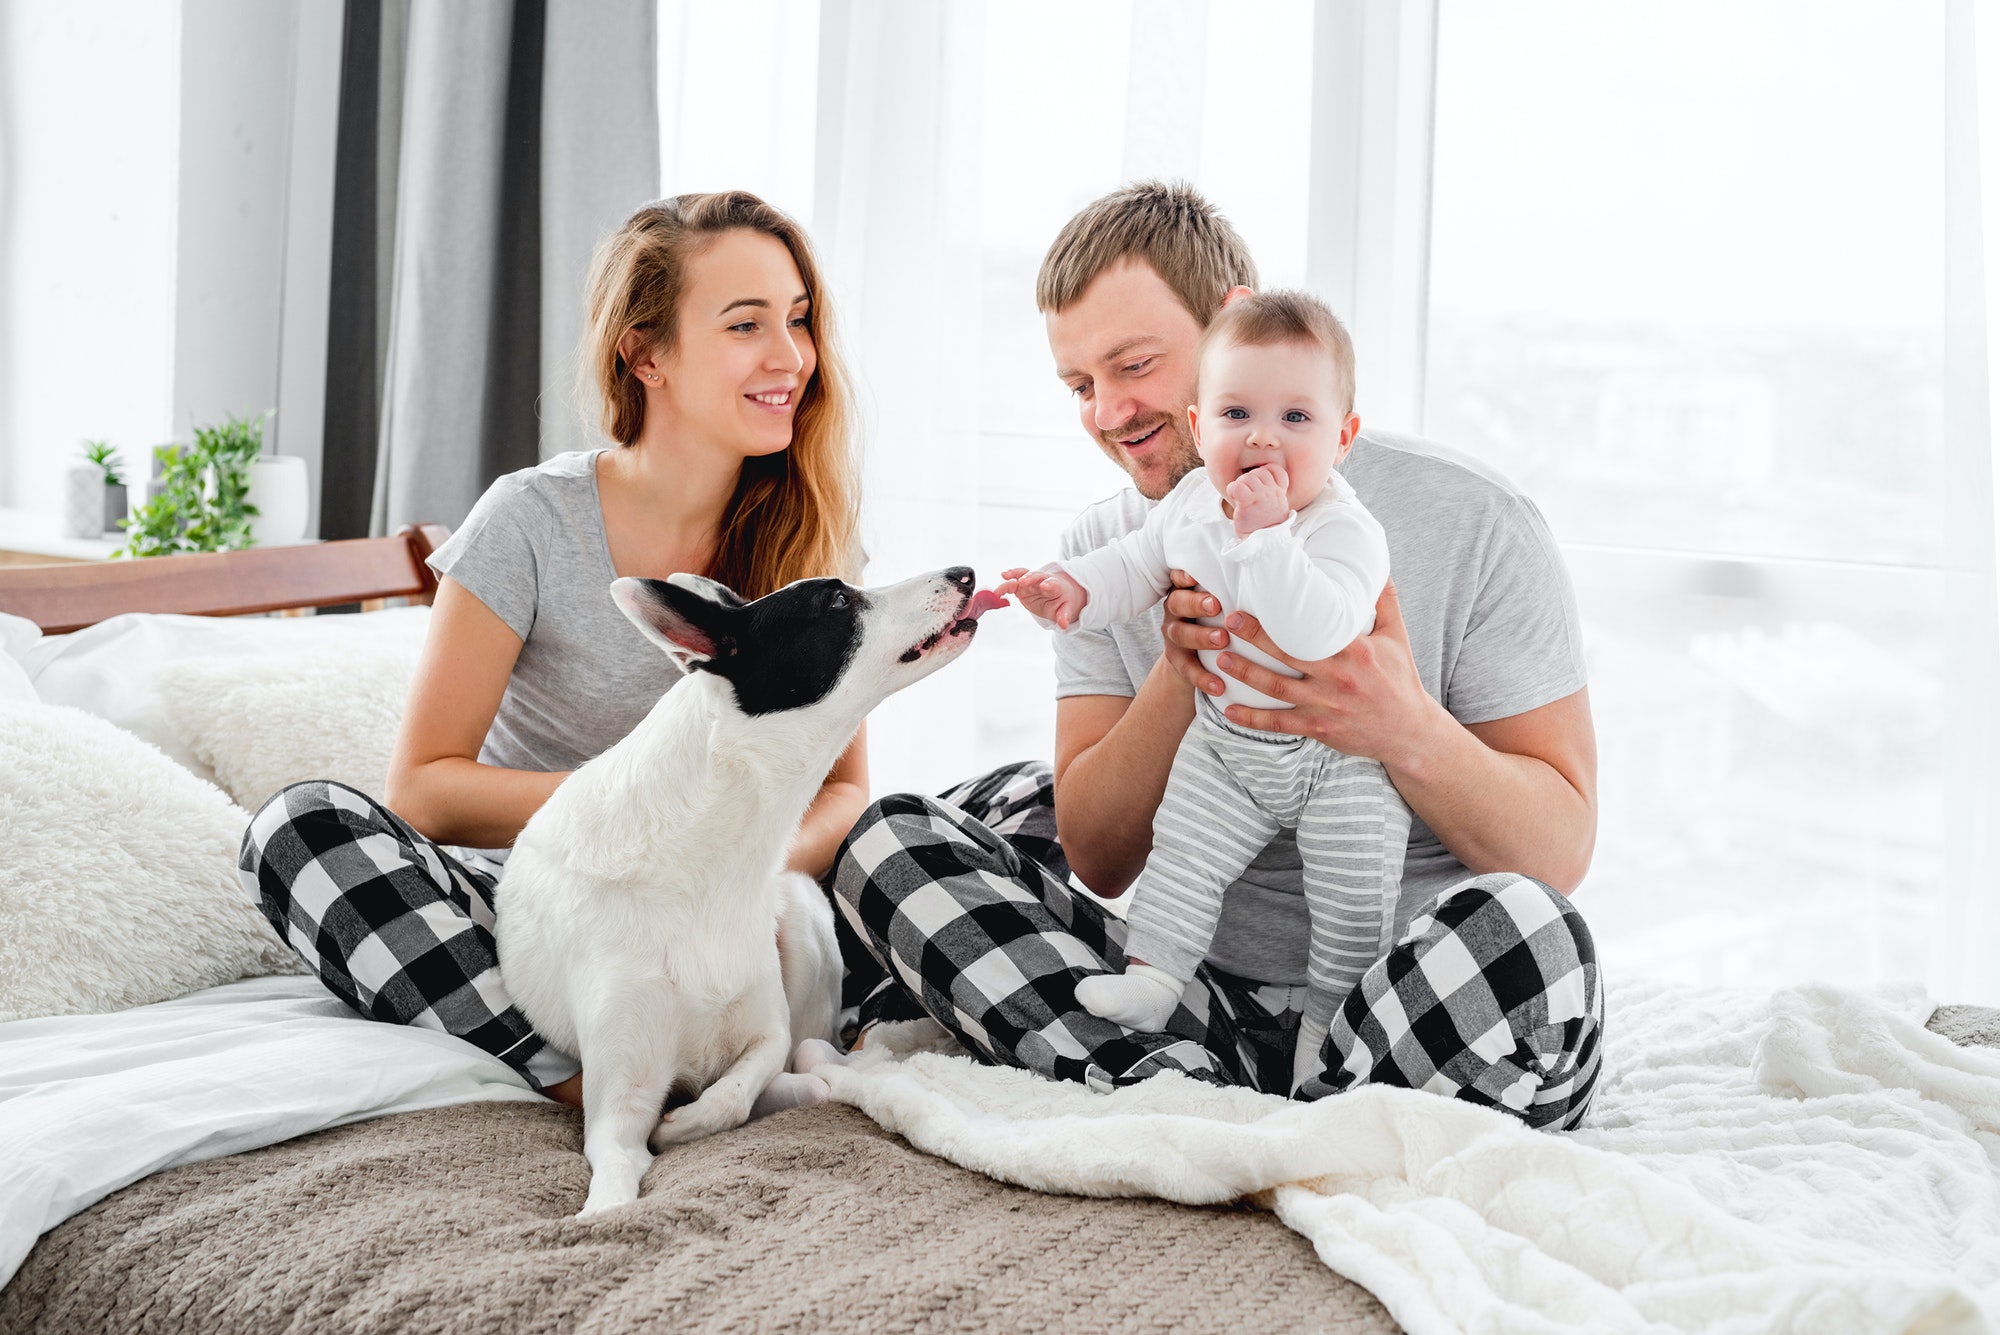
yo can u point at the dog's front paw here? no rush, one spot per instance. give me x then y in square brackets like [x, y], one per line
[605, 1196]
[720, 1108]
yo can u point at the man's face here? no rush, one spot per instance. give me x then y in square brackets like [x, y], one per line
[1126, 348]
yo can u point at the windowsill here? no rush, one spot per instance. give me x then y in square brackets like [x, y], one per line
[32, 534]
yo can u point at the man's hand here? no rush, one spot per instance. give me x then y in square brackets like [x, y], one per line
[1181, 634]
[1257, 499]
[1367, 700]
[1050, 594]
[1513, 794]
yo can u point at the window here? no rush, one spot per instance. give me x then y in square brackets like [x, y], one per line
[1688, 289]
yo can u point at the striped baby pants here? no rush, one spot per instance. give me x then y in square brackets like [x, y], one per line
[1231, 791]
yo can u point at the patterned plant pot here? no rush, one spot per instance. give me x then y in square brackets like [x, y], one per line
[83, 502]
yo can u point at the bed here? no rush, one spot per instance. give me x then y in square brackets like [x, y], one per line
[252, 1157]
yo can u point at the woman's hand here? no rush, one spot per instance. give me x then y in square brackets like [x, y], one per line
[1049, 593]
[1366, 700]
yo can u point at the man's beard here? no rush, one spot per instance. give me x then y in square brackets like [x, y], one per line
[1173, 457]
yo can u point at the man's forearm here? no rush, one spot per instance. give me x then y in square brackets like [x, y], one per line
[1107, 794]
[1496, 810]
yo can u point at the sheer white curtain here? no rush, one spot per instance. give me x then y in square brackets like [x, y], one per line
[896, 211]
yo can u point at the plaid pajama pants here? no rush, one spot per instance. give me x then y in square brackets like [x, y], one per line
[959, 907]
[394, 925]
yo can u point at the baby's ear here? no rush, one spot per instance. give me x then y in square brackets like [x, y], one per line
[694, 628]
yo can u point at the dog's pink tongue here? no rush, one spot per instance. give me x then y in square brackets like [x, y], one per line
[984, 601]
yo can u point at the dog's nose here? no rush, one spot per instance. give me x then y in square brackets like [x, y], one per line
[961, 576]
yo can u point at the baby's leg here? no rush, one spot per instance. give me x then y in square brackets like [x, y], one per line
[1353, 832]
[1206, 832]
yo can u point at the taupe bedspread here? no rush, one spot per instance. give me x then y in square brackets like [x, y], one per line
[457, 1220]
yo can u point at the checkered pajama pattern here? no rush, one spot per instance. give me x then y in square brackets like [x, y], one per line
[394, 926]
[1491, 995]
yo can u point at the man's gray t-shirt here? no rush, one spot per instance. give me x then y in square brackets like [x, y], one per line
[1493, 629]
[534, 551]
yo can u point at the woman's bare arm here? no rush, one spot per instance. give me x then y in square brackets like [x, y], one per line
[841, 800]
[436, 782]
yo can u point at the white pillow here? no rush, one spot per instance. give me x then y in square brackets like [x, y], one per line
[261, 723]
[112, 669]
[118, 882]
[17, 634]
[15, 688]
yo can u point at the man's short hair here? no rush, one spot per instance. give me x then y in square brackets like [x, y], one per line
[1165, 223]
[1281, 316]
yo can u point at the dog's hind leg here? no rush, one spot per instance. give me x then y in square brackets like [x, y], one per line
[808, 958]
[726, 1103]
[624, 1086]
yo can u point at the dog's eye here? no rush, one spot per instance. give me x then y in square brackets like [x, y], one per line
[839, 600]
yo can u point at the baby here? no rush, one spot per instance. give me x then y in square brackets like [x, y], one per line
[1267, 527]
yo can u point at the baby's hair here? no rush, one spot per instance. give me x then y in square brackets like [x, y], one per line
[1285, 315]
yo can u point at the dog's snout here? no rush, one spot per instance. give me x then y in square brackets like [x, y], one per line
[961, 576]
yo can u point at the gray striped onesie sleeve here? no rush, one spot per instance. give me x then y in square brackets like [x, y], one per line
[1231, 791]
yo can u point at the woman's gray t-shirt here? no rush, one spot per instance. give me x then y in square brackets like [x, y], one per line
[534, 551]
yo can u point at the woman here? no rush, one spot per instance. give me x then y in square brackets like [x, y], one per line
[710, 345]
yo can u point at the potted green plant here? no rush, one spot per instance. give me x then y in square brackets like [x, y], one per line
[87, 491]
[202, 503]
[104, 455]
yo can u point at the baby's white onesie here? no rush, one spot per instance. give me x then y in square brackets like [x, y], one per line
[1312, 582]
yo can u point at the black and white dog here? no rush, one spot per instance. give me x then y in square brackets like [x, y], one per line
[645, 922]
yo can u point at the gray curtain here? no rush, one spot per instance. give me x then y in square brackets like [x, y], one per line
[484, 147]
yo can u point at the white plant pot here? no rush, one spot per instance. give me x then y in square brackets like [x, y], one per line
[279, 490]
[83, 501]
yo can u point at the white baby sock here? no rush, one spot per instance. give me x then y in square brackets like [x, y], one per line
[789, 1091]
[1305, 1057]
[1140, 998]
[816, 1052]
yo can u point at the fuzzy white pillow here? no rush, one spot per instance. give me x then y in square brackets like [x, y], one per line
[118, 881]
[262, 723]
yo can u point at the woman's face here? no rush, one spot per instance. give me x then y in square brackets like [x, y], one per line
[745, 352]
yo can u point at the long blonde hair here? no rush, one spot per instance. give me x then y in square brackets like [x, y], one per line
[796, 513]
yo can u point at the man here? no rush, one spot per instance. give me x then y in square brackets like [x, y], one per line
[1470, 692]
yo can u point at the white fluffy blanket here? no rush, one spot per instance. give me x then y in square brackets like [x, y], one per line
[1816, 1161]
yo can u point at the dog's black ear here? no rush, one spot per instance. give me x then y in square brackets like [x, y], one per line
[688, 623]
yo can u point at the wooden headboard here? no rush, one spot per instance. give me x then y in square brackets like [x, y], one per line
[63, 598]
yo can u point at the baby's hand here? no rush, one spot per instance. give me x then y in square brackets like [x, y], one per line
[1048, 593]
[1258, 499]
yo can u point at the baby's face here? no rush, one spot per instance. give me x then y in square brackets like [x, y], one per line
[1273, 404]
